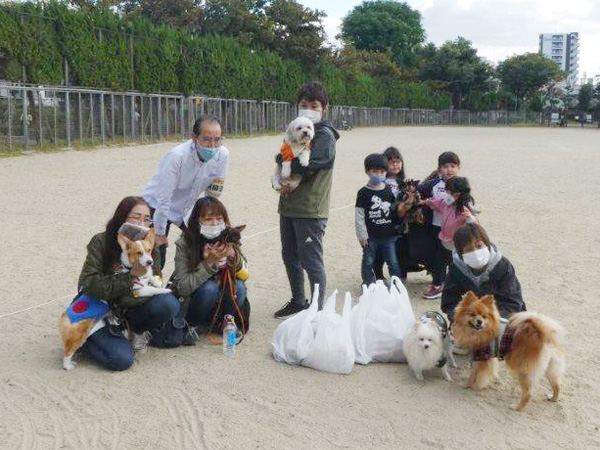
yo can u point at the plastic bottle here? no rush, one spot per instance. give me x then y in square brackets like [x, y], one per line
[229, 336]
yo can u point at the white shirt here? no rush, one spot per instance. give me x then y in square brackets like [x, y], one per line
[182, 178]
[436, 192]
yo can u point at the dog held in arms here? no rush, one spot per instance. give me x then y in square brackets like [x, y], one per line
[296, 144]
[427, 345]
[530, 344]
[86, 314]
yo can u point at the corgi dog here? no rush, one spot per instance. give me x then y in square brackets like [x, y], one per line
[296, 144]
[529, 342]
[86, 314]
[140, 252]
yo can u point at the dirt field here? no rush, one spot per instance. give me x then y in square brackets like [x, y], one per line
[539, 193]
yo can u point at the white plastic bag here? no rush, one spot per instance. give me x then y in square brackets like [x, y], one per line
[380, 321]
[292, 338]
[332, 349]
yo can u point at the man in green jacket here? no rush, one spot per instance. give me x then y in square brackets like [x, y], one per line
[304, 211]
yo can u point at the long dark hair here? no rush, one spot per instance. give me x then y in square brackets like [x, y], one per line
[112, 249]
[461, 186]
[393, 153]
[194, 240]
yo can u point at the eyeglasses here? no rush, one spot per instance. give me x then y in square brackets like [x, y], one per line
[207, 140]
[141, 219]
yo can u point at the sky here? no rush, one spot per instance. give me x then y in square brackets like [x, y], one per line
[497, 28]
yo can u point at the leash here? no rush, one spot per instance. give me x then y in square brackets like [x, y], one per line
[227, 284]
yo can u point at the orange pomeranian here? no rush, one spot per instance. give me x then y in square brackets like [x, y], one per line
[530, 343]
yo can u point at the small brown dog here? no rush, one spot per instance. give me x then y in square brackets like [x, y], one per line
[530, 344]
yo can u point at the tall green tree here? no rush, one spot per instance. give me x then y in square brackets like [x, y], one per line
[585, 96]
[457, 66]
[176, 13]
[383, 26]
[525, 74]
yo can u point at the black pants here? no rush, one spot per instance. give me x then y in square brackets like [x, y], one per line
[302, 250]
[441, 259]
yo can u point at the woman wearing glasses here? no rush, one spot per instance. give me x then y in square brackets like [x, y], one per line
[189, 171]
[103, 277]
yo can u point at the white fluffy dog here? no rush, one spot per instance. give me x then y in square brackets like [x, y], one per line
[424, 347]
[296, 144]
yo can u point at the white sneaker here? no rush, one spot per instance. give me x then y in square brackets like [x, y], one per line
[139, 342]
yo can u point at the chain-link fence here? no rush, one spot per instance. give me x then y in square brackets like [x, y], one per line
[36, 117]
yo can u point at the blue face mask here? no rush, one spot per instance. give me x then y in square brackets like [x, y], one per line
[377, 180]
[206, 153]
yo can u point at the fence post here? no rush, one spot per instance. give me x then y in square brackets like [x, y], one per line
[123, 116]
[9, 119]
[68, 118]
[133, 128]
[92, 114]
[40, 116]
[181, 117]
[80, 118]
[55, 102]
[25, 117]
[102, 119]
[159, 119]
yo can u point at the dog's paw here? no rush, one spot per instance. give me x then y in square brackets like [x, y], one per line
[69, 365]
[419, 376]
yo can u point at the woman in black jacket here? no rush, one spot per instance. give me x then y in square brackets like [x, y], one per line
[478, 266]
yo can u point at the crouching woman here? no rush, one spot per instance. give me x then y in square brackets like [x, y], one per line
[104, 277]
[210, 270]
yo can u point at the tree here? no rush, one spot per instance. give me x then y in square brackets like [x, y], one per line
[176, 13]
[585, 97]
[374, 64]
[383, 26]
[297, 31]
[457, 66]
[525, 74]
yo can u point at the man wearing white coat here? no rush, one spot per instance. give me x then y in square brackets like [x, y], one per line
[191, 170]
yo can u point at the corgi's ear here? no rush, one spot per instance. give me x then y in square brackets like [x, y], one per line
[468, 298]
[150, 237]
[489, 301]
[124, 241]
[240, 228]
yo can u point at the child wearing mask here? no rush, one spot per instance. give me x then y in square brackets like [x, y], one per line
[376, 219]
[478, 266]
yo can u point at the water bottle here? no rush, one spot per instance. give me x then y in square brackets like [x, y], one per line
[229, 336]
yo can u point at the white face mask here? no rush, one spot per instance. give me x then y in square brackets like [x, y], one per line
[211, 231]
[477, 259]
[449, 198]
[310, 114]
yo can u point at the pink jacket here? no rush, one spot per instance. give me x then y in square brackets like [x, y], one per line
[450, 221]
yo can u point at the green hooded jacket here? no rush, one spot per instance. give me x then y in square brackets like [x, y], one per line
[310, 200]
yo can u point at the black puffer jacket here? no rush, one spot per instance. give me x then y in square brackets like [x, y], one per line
[498, 278]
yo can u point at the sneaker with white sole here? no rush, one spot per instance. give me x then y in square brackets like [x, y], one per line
[139, 342]
[289, 309]
[433, 292]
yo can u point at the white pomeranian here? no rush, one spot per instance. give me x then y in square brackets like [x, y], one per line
[425, 345]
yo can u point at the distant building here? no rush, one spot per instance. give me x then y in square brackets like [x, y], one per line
[562, 48]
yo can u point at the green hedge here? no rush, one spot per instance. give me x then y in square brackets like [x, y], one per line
[101, 47]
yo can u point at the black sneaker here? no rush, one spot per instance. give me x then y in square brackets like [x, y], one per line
[191, 336]
[289, 309]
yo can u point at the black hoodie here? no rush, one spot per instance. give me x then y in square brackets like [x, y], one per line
[497, 278]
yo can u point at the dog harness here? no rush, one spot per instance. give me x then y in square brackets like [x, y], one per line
[286, 151]
[499, 347]
[433, 316]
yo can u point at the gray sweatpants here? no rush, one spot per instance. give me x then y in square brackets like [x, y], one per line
[302, 249]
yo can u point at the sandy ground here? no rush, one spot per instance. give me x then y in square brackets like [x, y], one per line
[538, 190]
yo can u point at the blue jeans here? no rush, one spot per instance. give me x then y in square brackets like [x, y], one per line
[204, 298]
[111, 351]
[153, 313]
[387, 248]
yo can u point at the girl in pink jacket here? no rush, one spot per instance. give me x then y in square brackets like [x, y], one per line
[456, 208]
